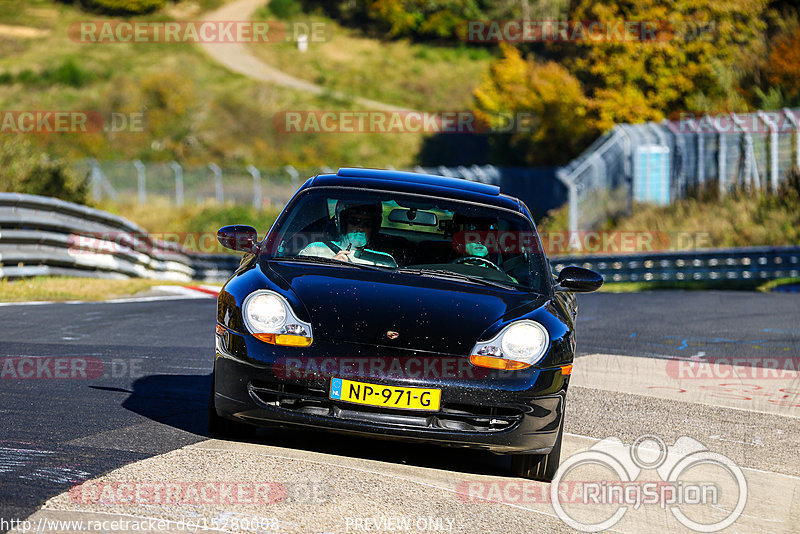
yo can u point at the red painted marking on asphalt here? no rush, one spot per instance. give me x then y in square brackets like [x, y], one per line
[204, 290]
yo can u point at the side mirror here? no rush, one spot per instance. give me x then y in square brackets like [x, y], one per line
[238, 237]
[578, 279]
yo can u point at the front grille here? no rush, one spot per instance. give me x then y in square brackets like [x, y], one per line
[451, 417]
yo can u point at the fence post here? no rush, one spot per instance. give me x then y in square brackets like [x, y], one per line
[722, 162]
[294, 175]
[701, 155]
[481, 174]
[95, 177]
[627, 166]
[572, 199]
[256, 174]
[773, 150]
[792, 119]
[217, 182]
[178, 170]
[746, 142]
[142, 179]
[466, 173]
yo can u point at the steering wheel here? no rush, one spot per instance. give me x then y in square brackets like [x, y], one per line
[477, 260]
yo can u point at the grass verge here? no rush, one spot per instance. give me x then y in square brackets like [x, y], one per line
[633, 287]
[194, 226]
[185, 106]
[414, 75]
[772, 284]
[737, 220]
[63, 288]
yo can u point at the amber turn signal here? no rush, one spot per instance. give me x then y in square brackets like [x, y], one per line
[285, 340]
[491, 362]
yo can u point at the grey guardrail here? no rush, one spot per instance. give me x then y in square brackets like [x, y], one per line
[42, 235]
[732, 264]
[47, 236]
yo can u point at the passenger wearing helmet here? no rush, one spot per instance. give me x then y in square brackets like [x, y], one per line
[356, 224]
[475, 234]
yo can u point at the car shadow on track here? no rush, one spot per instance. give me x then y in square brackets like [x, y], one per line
[181, 401]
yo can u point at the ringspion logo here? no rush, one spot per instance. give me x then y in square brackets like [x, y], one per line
[690, 478]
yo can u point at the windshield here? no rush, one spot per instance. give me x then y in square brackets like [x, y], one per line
[414, 234]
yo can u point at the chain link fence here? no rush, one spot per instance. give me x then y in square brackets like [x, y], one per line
[660, 162]
[137, 181]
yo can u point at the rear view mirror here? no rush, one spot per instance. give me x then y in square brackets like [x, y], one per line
[578, 279]
[413, 217]
[238, 237]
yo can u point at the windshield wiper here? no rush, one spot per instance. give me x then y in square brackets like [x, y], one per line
[331, 261]
[441, 273]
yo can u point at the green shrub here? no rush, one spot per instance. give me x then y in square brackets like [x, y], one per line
[68, 73]
[124, 7]
[284, 9]
[23, 170]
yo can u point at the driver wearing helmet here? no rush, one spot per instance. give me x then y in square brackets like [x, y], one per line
[357, 223]
[473, 232]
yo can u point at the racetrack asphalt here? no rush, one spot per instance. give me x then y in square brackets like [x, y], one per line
[152, 394]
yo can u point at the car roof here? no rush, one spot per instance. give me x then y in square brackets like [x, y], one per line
[411, 182]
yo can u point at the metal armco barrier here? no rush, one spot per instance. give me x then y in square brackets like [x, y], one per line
[739, 264]
[46, 236]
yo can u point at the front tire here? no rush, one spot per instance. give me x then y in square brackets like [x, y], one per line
[222, 428]
[541, 467]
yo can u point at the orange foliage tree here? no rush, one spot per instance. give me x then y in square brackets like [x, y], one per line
[693, 62]
[538, 111]
[783, 66]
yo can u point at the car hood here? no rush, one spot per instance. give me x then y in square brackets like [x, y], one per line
[428, 314]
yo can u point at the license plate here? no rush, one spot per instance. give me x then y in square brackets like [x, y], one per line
[385, 396]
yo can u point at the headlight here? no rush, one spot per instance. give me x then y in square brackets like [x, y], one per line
[264, 312]
[517, 346]
[270, 318]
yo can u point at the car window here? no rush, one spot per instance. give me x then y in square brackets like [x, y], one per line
[434, 236]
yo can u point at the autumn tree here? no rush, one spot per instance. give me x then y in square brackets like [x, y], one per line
[783, 66]
[537, 112]
[692, 62]
[426, 19]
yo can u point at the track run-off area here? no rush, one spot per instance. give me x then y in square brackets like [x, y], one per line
[683, 410]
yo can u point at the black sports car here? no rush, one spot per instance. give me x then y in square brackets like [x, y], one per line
[404, 306]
